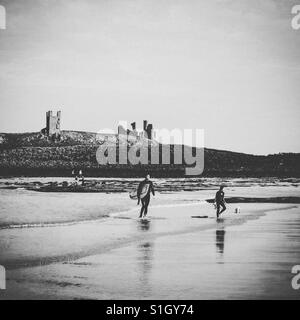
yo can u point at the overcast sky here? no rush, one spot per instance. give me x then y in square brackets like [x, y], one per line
[229, 67]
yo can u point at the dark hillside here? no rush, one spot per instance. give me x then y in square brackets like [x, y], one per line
[33, 154]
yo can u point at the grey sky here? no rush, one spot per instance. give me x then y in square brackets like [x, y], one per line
[229, 67]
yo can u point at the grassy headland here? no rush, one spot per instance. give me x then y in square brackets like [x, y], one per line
[33, 154]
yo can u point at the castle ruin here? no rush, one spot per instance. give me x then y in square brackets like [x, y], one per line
[53, 131]
[147, 131]
[53, 124]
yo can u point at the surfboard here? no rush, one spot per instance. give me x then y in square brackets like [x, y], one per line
[203, 217]
[133, 194]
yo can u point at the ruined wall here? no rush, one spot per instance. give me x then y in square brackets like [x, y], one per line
[53, 123]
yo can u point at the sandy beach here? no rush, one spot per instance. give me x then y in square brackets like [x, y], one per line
[174, 254]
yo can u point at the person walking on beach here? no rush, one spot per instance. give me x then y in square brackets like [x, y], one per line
[220, 201]
[146, 199]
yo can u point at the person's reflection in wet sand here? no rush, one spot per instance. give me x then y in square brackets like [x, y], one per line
[220, 240]
[144, 259]
[144, 225]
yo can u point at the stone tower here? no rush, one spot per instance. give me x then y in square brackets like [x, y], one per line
[148, 129]
[53, 123]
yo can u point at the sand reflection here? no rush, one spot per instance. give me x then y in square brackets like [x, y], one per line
[220, 240]
[144, 259]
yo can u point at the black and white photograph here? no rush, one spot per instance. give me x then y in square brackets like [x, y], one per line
[149, 150]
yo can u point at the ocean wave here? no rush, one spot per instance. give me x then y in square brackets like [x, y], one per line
[49, 224]
[102, 218]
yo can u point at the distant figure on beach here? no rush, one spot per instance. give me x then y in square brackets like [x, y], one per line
[220, 201]
[146, 198]
[80, 177]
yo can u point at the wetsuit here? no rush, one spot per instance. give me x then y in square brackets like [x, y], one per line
[146, 200]
[220, 202]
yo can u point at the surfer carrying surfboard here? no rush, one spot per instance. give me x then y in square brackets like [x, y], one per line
[144, 191]
[220, 201]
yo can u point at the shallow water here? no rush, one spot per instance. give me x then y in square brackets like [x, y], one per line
[245, 257]
[23, 208]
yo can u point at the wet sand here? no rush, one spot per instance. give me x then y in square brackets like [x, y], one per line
[168, 256]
